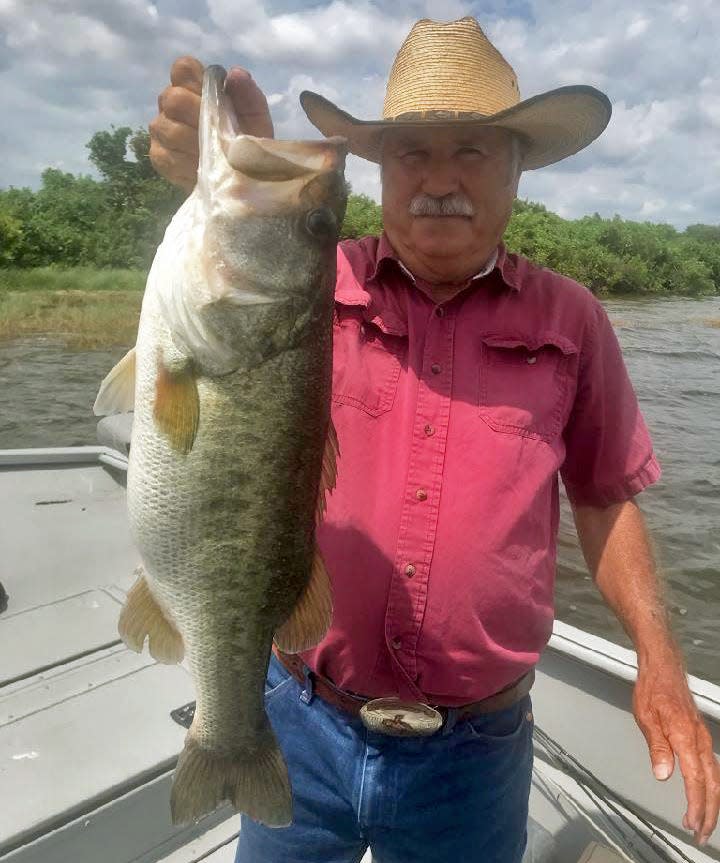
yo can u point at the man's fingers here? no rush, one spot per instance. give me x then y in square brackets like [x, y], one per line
[173, 166]
[685, 747]
[174, 149]
[175, 136]
[174, 132]
[180, 105]
[249, 102]
[712, 783]
[187, 72]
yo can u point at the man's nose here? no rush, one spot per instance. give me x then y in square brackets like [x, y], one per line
[441, 178]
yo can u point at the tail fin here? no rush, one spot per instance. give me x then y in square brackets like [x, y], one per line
[256, 783]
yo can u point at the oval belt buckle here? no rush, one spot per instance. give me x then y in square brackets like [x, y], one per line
[400, 718]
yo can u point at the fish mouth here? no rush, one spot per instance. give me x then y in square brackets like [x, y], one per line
[261, 159]
[275, 161]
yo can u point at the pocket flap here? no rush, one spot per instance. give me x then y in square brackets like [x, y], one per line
[531, 342]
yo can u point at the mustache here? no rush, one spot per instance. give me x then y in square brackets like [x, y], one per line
[454, 204]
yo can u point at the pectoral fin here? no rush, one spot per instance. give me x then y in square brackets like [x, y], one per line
[117, 391]
[311, 617]
[177, 407]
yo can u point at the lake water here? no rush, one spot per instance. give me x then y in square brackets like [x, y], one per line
[673, 355]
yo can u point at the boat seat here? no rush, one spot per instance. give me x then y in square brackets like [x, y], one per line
[114, 432]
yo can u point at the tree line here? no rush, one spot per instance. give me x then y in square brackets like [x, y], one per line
[118, 221]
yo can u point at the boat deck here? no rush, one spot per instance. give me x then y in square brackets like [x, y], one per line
[88, 745]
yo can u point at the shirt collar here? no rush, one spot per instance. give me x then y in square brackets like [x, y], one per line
[379, 303]
[499, 259]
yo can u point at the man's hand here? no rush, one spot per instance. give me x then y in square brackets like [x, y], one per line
[174, 132]
[617, 549]
[666, 713]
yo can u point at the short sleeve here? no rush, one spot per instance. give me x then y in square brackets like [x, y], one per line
[609, 454]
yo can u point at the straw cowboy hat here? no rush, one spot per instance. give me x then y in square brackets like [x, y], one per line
[452, 74]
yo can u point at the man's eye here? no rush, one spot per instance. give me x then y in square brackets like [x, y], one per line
[472, 151]
[412, 155]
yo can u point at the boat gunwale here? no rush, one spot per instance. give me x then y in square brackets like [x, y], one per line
[71, 456]
[621, 663]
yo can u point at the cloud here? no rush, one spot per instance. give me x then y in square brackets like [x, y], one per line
[313, 37]
[72, 67]
[658, 159]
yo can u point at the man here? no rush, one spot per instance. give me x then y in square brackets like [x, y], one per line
[465, 379]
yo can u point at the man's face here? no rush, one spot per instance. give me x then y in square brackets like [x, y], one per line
[478, 164]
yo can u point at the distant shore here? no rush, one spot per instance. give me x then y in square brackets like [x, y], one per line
[92, 308]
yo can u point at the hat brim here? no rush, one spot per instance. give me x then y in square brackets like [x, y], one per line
[555, 124]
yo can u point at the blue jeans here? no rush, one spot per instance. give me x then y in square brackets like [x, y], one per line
[458, 795]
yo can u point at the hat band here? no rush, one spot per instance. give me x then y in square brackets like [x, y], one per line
[439, 115]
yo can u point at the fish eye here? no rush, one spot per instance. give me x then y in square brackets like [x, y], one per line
[321, 223]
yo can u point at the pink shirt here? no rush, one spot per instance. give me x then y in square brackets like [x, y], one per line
[453, 423]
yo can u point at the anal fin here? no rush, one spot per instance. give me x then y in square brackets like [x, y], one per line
[312, 615]
[142, 617]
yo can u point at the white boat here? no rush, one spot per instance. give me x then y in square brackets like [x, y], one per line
[90, 731]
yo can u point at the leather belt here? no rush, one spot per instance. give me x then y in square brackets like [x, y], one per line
[395, 716]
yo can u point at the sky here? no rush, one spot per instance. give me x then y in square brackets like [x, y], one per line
[69, 68]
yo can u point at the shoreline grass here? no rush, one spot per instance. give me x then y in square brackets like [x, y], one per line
[85, 307]
[81, 319]
[71, 279]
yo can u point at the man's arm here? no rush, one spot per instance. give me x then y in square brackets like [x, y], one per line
[617, 549]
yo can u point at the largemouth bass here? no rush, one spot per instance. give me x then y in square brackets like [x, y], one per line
[232, 448]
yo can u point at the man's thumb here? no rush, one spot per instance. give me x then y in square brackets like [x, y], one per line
[662, 770]
[661, 753]
[661, 756]
[251, 107]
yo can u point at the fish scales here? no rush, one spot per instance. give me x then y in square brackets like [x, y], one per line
[232, 447]
[260, 441]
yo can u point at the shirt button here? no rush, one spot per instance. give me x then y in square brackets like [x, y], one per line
[440, 312]
[410, 570]
[396, 643]
[436, 368]
[531, 360]
[421, 494]
[429, 430]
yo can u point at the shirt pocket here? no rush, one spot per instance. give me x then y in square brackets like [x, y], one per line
[366, 365]
[524, 383]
